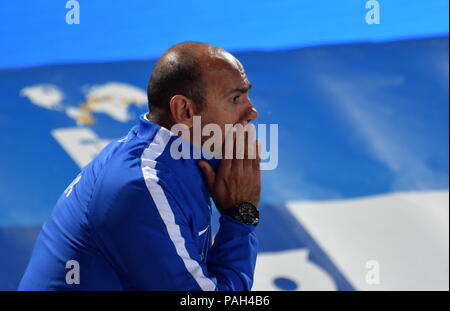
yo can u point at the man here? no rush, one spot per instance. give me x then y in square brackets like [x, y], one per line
[136, 218]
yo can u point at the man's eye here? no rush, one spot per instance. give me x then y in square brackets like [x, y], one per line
[235, 98]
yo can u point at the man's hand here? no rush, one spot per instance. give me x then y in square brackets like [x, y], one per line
[236, 180]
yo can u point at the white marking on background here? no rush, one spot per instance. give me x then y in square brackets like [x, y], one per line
[81, 143]
[293, 265]
[407, 233]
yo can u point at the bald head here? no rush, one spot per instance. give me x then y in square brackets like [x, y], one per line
[181, 70]
[208, 56]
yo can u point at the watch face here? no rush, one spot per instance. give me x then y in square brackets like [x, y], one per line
[248, 213]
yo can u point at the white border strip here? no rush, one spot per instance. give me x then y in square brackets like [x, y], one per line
[148, 164]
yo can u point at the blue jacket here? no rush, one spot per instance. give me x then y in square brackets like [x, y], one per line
[137, 219]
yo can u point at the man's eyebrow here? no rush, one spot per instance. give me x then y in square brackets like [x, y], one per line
[240, 90]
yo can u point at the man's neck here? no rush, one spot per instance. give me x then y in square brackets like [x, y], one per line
[156, 118]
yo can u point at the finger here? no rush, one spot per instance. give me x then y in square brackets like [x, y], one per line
[227, 151]
[238, 160]
[248, 163]
[208, 173]
[240, 142]
[246, 134]
[257, 161]
[225, 166]
[251, 142]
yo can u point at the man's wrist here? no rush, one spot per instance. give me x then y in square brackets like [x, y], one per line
[244, 212]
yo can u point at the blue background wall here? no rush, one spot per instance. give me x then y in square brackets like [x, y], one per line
[362, 109]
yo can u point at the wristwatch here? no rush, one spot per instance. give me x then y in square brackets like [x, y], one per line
[244, 212]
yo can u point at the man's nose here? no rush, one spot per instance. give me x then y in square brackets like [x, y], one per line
[251, 113]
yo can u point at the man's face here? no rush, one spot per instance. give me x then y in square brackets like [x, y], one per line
[226, 88]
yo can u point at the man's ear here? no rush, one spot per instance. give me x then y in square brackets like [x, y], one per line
[182, 110]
